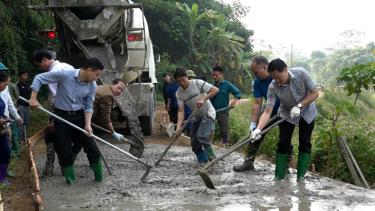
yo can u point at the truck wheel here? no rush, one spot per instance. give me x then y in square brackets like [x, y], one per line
[147, 122]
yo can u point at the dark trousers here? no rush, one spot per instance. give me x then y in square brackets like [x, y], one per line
[200, 133]
[254, 146]
[4, 149]
[173, 115]
[286, 133]
[223, 121]
[67, 136]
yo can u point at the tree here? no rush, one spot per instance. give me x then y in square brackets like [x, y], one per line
[19, 26]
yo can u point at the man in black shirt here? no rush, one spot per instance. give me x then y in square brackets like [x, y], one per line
[23, 107]
[167, 81]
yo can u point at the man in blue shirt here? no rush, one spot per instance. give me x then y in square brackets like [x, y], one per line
[221, 100]
[262, 80]
[172, 106]
[74, 99]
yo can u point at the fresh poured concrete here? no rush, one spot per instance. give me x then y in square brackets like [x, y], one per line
[175, 185]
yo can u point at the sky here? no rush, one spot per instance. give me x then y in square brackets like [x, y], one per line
[307, 25]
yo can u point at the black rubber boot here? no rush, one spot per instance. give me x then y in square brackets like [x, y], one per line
[247, 165]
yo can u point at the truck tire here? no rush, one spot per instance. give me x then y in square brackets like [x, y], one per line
[147, 122]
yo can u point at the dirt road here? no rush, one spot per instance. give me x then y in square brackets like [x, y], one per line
[175, 185]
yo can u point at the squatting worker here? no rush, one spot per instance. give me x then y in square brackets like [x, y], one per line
[261, 83]
[103, 104]
[74, 102]
[43, 60]
[195, 94]
[221, 100]
[297, 92]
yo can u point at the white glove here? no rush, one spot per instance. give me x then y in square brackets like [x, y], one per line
[295, 112]
[117, 136]
[252, 127]
[255, 134]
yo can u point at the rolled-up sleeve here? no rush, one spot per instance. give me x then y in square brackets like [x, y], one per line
[46, 78]
[89, 100]
[310, 84]
[271, 97]
[235, 91]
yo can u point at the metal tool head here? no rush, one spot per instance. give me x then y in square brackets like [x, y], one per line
[206, 179]
[147, 172]
[136, 151]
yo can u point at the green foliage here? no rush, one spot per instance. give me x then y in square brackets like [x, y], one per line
[19, 26]
[199, 34]
[358, 77]
[326, 68]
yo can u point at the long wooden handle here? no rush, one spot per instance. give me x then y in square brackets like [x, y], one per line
[82, 130]
[246, 140]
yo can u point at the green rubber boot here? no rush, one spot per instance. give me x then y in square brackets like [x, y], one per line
[303, 165]
[98, 171]
[281, 164]
[69, 174]
[210, 152]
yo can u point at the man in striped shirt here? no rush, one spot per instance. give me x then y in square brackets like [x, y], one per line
[297, 92]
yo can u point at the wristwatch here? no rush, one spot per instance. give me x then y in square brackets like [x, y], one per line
[299, 105]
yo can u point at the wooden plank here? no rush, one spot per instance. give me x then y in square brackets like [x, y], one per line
[348, 161]
[38, 136]
[356, 166]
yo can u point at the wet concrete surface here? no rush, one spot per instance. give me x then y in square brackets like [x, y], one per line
[175, 185]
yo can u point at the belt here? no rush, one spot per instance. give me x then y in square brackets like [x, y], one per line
[68, 112]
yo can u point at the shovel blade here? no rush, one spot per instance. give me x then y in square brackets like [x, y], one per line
[147, 172]
[136, 151]
[206, 179]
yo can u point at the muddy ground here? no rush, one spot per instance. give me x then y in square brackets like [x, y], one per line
[175, 185]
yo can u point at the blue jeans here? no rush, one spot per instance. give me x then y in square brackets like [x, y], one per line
[200, 133]
[24, 114]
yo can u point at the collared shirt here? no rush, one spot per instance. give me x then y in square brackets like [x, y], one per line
[25, 92]
[10, 109]
[57, 66]
[104, 101]
[71, 94]
[260, 90]
[300, 85]
[195, 91]
[221, 99]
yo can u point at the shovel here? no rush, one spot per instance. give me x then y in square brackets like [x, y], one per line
[175, 137]
[96, 137]
[171, 126]
[136, 147]
[202, 172]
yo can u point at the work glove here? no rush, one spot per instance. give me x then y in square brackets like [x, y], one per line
[117, 136]
[255, 134]
[252, 127]
[295, 112]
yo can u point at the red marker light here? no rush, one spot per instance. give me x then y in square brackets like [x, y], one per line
[51, 35]
[135, 37]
